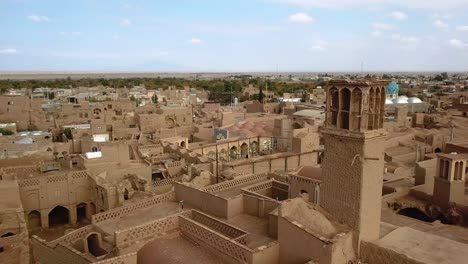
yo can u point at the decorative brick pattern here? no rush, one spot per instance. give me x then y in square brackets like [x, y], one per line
[28, 182]
[131, 235]
[57, 178]
[218, 226]
[163, 182]
[73, 236]
[124, 210]
[261, 186]
[225, 245]
[216, 188]
[124, 259]
[21, 170]
[79, 175]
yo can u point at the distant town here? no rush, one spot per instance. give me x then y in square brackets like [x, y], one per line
[254, 168]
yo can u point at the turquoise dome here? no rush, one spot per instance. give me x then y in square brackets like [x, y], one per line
[392, 88]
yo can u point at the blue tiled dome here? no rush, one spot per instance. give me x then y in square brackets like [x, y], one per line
[392, 88]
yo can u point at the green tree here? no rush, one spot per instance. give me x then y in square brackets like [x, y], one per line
[5, 132]
[260, 94]
[68, 133]
[154, 99]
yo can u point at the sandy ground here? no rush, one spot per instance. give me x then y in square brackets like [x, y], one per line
[257, 227]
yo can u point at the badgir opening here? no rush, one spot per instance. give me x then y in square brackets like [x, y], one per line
[58, 216]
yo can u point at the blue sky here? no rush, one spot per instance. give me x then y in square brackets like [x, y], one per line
[241, 35]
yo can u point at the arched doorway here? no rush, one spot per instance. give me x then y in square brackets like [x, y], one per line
[254, 148]
[126, 197]
[59, 216]
[233, 153]
[182, 144]
[245, 150]
[437, 150]
[81, 212]
[212, 155]
[170, 123]
[34, 220]
[5, 235]
[223, 154]
[94, 245]
[305, 195]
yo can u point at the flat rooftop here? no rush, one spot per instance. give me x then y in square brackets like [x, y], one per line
[452, 232]
[423, 247]
[173, 248]
[256, 226]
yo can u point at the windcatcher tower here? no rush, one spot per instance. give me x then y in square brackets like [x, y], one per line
[449, 183]
[353, 162]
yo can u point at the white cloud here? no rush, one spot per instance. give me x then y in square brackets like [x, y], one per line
[456, 43]
[125, 22]
[405, 39]
[398, 15]
[8, 51]
[462, 28]
[381, 26]
[38, 19]
[417, 4]
[377, 33]
[442, 16]
[301, 18]
[195, 41]
[438, 23]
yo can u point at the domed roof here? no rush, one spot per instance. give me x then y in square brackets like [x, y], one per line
[400, 100]
[392, 88]
[414, 100]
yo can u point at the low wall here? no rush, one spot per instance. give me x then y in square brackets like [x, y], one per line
[124, 238]
[259, 207]
[371, 253]
[220, 227]
[204, 201]
[219, 242]
[243, 180]
[73, 236]
[59, 254]
[124, 259]
[125, 210]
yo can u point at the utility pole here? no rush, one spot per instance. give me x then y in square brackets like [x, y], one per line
[451, 133]
[217, 164]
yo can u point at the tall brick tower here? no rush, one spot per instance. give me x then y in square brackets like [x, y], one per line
[353, 163]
